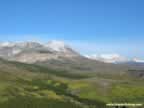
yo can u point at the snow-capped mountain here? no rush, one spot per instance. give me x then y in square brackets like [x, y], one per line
[58, 46]
[113, 58]
[34, 51]
[108, 58]
[31, 52]
[138, 60]
[6, 44]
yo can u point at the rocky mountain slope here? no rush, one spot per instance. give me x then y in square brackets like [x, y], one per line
[31, 52]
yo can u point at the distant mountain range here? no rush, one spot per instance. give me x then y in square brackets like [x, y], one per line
[56, 55]
[31, 52]
[113, 58]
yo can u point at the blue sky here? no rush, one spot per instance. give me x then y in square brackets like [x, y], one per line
[90, 26]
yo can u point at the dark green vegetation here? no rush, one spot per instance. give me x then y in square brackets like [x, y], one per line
[33, 86]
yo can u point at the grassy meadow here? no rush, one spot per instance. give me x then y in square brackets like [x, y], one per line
[30, 86]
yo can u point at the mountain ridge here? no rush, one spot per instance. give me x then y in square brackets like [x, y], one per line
[31, 52]
[23, 51]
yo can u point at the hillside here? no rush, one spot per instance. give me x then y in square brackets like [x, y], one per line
[32, 86]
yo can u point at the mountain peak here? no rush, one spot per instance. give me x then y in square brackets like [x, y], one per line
[6, 44]
[28, 44]
[56, 45]
[29, 51]
[108, 58]
[138, 60]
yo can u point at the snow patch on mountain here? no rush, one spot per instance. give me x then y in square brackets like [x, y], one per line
[55, 45]
[16, 51]
[108, 58]
[7, 44]
[30, 52]
[138, 60]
